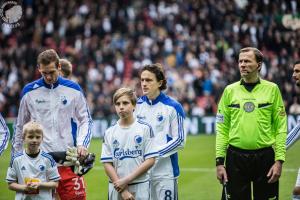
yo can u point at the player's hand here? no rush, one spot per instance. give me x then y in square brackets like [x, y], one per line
[221, 174]
[121, 184]
[275, 172]
[126, 195]
[82, 151]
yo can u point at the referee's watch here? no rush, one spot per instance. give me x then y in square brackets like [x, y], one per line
[220, 161]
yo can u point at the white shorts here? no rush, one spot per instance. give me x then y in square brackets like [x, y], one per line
[141, 191]
[298, 179]
[164, 189]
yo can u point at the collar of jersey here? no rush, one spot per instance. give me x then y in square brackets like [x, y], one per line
[49, 86]
[155, 101]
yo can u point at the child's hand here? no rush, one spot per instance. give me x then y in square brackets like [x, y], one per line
[121, 184]
[126, 195]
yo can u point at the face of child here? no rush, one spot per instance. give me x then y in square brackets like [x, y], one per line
[33, 140]
[124, 107]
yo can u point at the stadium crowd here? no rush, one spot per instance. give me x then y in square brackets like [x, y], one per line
[109, 41]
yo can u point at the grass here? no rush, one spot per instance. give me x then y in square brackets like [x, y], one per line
[197, 179]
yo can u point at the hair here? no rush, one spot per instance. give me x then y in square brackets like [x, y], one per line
[297, 62]
[48, 56]
[258, 55]
[125, 92]
[157, 70]
[32, 127]
[66, 67]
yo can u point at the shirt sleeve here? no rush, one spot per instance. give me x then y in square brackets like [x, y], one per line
[85, 121]
[177, 139]
[4, 135]
[279, 126]
[52, 173]
[106, 154]
[222, 126]
[150, 149]
[11, 175]
[293, 136]
[23, 118]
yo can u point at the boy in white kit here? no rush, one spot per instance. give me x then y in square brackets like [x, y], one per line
[32, 173]
[128, 151]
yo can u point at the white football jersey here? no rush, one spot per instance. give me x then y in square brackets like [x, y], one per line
[127, 148]
[4, 134]
[23, 168]
[166, 116]
[56, 107]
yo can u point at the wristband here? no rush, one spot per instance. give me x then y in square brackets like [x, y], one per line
[220, 161]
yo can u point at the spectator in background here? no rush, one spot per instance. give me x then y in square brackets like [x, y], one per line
[66, 68]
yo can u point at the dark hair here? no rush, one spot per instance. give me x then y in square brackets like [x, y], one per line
[258, 55]
[157, 70]
[47, 57]
[297, 62]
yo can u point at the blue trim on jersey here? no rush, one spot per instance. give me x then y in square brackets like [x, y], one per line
[52, 161]
[3, 145]
[10, 180]
[14, 157]
[178, 141]
[292, 135]
[69, 83]
[106, 158]
[32, 86]
[174, 161]
[55, 178]
[74, 132]
[149, 154]
[88, 137]
[150, 127]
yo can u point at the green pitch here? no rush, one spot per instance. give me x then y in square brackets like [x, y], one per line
[197, 179]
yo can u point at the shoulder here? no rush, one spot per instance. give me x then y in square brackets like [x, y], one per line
[48, 158]
[147, 127]
[233, 85]
[268, 84]
[141, 100]
[16, 158]
[169, 101]
[69, 84]
[32, 86]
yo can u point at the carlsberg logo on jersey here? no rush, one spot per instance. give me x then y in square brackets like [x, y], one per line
[122, 153]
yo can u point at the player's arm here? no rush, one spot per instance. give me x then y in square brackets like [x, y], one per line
[222, 135]
[23, 118]
[4, 135]
[143, 168]
[85, 123]
[177, 139]
[293, 136]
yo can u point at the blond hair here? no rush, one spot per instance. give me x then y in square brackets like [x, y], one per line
[125, 92]
[32, 127]
[66, 67]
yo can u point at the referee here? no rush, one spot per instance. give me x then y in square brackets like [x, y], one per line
[251, 133]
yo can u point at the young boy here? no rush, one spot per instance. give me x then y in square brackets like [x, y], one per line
[128, 151]
[32, 173]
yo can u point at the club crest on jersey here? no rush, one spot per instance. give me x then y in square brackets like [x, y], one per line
[138, 140]
[249, 107]
[116, 143]
[159, 117]
[63, 100]
[42, 167]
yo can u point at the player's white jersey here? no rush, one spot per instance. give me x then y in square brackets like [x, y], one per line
[293, 136]
[23, 168]
[166, 116]
[4, 134]
[127, 148]
[56, 107]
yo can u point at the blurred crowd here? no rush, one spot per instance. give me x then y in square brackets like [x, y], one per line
[109, 41]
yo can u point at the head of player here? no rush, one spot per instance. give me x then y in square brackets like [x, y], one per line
[49, 66]
[153, 80]
[66, 68]
[250, 61]
[33, 137]
[124, 101]
[296, 73]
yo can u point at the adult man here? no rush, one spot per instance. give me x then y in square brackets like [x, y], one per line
[4, 135]
[251, 119]
[55, 103]
[294, 135]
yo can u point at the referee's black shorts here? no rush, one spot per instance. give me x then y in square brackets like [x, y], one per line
[245, 167]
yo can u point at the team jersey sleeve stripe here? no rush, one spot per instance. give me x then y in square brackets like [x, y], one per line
[89, 134]
[6, 135]
[14, 157]
[178, 141]
[50, 158]
[106, 159]
[293, 136]
[55, 178]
